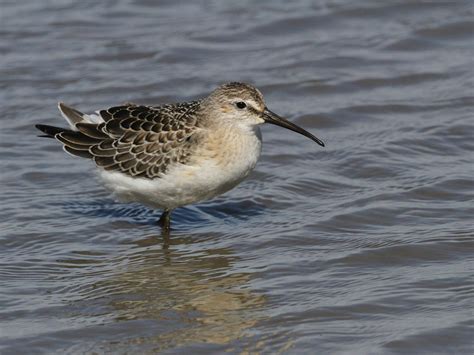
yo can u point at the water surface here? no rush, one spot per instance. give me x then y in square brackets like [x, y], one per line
[364, 246]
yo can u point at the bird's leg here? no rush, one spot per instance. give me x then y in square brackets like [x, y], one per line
[165, 220]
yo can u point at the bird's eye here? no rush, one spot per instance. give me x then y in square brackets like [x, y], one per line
[241, 105]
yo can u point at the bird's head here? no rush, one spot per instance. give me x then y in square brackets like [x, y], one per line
[244, 105]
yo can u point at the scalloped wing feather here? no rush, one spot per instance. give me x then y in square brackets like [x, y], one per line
[139, 141]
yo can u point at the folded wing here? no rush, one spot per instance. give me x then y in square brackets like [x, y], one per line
[140, 141]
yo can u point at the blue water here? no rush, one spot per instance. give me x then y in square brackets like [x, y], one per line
[362, 247]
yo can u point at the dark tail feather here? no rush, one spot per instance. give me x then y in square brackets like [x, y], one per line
[50, 131]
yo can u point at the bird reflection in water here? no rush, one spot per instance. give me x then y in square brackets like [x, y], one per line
[191, 294]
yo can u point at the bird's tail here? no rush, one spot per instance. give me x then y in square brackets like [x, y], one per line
[83, 134]
[71, 115]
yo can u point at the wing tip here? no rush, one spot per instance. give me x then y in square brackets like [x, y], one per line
[49, 131]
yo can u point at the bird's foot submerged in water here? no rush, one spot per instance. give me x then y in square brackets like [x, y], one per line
[165, 221]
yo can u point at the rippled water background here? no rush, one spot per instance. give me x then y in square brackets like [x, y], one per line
[365, 246]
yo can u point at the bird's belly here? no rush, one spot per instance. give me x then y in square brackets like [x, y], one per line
[205, 178]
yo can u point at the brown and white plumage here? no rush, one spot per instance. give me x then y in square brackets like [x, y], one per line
[175, 154]
[139, 141]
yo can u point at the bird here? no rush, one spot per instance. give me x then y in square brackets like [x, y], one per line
[172, 155]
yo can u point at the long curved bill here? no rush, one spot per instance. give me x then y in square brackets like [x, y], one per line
[273, 118]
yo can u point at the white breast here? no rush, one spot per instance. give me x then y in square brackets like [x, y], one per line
[219, 164]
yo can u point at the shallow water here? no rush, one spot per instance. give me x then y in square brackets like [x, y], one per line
[365, 246]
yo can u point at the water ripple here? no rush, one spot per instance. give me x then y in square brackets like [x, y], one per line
[360, 247]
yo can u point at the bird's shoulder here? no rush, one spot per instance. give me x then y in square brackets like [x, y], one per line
[166, 117]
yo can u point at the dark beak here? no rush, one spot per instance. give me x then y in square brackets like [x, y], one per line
[273, 118]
